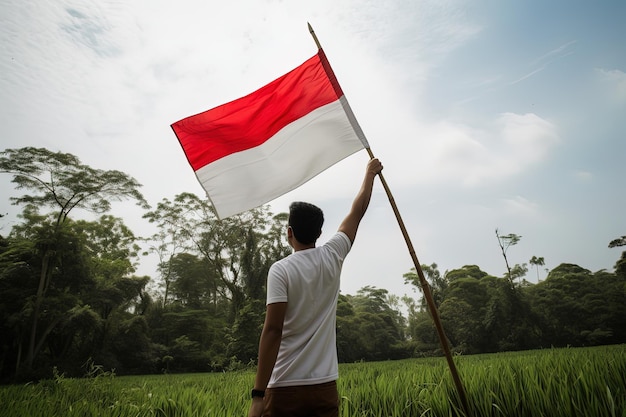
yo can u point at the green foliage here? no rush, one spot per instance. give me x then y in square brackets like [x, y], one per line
[244, 336]
[236, 252]
[537, 262]
[369, 327]
[438, 283]
[215, 265]
[467, 271]
[573, 306]
[620, 241]
[620, 267]
[59, 180]
[194, 338]
[69, 294]
[579, 307]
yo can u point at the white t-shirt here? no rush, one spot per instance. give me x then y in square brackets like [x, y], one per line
[308, 281]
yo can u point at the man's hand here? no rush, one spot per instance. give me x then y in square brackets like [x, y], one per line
[374, 166]
[256, 408]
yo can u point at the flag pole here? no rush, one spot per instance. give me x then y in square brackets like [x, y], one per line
[432, 307]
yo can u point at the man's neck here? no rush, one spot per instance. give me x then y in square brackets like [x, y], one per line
[300, 246]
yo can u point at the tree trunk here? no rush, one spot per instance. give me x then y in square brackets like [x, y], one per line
[30, 355]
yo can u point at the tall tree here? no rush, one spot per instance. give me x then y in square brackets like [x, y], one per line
[537, 262]
[464, 307]
[505, 242]
[112, 256]
[191, 281]
[173, 237]
[61, 182]
[237, 250]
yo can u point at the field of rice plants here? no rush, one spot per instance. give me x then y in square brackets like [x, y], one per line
[551, 382]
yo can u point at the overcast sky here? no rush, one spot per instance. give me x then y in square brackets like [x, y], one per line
[486, 114]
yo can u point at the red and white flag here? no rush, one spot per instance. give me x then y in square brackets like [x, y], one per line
[254, 149]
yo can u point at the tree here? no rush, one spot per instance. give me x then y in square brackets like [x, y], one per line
[620, 267]
[376, 323]
[480, 313]
[235, 253]
[621, 241]
[579, 307]
[461, 322]
[420, 328]
[517, 272]
[438, 284]
[463, 309]
[244, 336]
[237, 250]
[467, 271]
[171, 238]
[17, 281]
[89, 289]
[191, 281]
[112, 255]
[537, 262]
[348, 347]
[60, 181]
[505, 242]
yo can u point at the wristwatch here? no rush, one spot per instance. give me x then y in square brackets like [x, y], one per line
[257, 393]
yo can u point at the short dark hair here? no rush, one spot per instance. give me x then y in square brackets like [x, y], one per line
[305, 220]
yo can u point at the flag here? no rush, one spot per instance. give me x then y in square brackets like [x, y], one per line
[252, 150]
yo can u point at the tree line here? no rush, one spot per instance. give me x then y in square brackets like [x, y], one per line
[70, 296]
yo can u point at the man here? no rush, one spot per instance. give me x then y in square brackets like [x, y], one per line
[297, 369]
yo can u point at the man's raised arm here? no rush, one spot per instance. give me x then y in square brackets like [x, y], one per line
[350, 224]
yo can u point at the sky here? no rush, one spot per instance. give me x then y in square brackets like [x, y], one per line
[485, 115]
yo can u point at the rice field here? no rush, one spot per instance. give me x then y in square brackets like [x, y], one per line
[551, 382]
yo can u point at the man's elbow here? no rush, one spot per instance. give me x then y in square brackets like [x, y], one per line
[273, 334]
[275, 330]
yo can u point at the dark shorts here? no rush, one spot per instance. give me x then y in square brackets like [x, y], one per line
[321, 400]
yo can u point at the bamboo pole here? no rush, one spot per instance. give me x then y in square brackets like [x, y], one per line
[432, 307]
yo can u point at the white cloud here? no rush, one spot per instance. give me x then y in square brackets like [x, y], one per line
[528, 137]
[451, 153]
[519, 206]
[616, 80]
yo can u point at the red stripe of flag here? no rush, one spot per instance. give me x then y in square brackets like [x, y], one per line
[251, 120]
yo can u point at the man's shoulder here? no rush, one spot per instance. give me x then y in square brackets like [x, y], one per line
[281, 262]
[339, 243]
[340, 236]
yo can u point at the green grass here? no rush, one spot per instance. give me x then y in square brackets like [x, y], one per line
[551, 382]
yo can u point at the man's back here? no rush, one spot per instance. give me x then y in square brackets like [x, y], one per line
[308, 281]
[297, 348]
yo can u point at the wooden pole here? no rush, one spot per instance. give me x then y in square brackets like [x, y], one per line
[432, 307]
